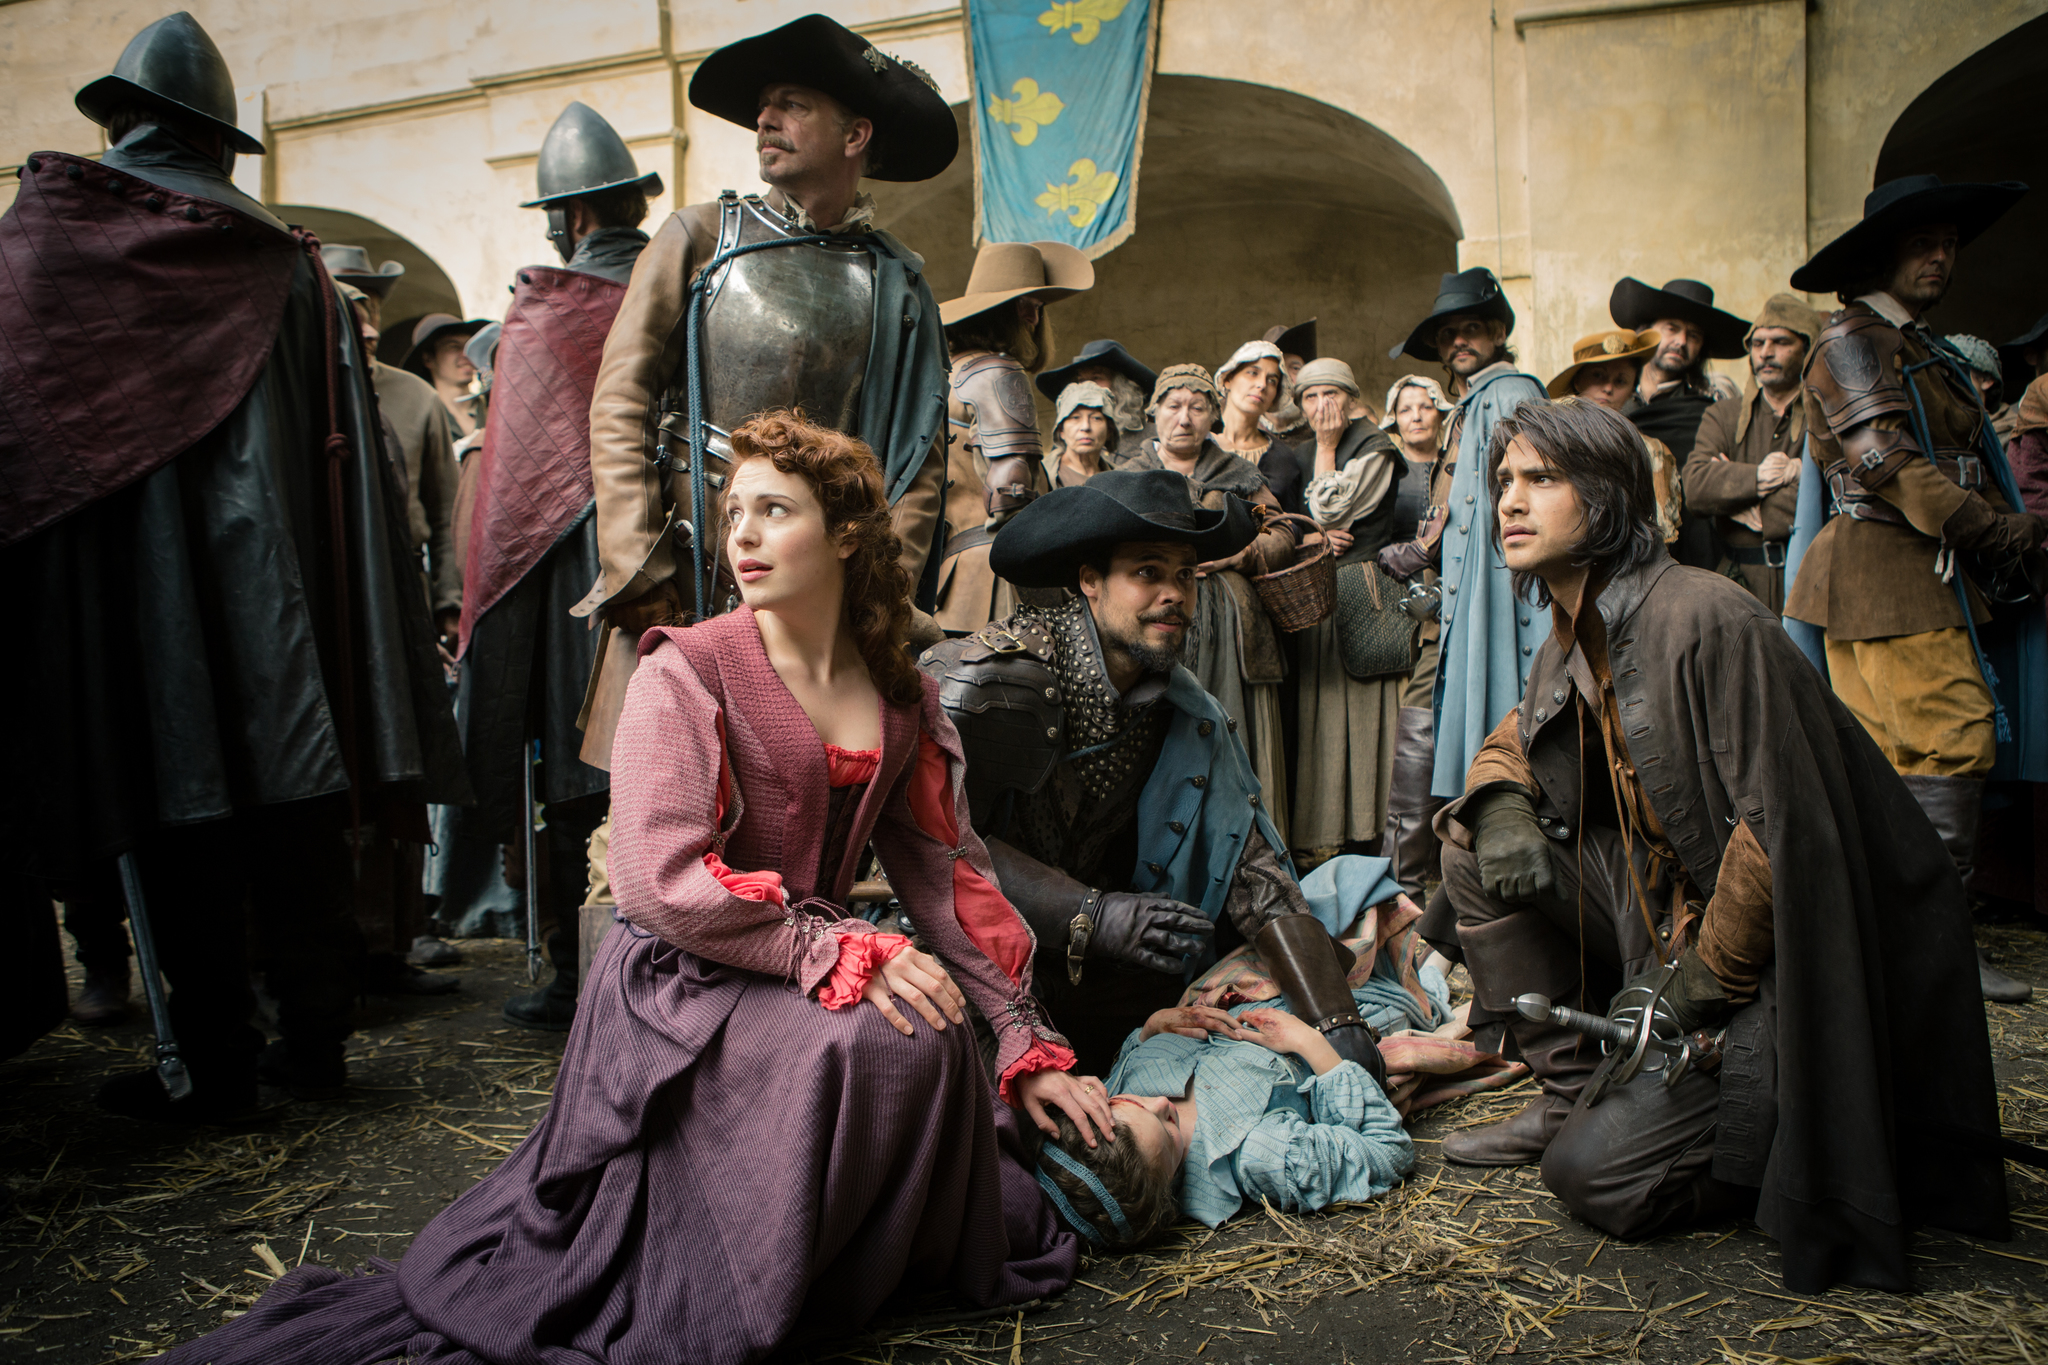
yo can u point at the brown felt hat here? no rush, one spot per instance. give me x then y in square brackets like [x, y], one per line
[1599, 348]
[1010, 270]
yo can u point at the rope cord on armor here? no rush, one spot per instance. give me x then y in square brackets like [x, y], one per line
[1996, 459]
[703, 547]
[337, 529]
[1095, 1187]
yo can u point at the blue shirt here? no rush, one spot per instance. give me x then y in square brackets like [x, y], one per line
[1267, 1127]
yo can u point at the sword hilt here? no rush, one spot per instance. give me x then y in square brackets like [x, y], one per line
[1613, 1032]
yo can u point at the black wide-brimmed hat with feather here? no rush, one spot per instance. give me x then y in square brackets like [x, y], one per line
[1890, 209]
[915, 135]
[1045, 545]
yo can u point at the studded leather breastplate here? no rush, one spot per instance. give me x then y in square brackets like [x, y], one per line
[1082, 820]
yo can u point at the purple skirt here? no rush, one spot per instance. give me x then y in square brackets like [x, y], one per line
[722, 1157]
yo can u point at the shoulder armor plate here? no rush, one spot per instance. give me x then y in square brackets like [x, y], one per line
[1001, 694]
[1855, 374]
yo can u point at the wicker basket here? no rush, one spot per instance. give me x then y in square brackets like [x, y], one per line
[1305, 592]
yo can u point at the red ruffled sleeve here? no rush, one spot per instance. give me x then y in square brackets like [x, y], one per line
[860, 956]
[1043, 1056]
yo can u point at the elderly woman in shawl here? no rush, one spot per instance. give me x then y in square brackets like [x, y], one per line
[1346, 735]
[1232, 650]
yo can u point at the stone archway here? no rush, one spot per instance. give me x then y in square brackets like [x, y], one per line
[425, 288]
[1981, 121]
[1256, 206]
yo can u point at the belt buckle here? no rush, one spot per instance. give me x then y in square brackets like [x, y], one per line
[1969, 471]
[1777, 548]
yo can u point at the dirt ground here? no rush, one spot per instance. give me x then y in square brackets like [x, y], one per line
[118, 1239]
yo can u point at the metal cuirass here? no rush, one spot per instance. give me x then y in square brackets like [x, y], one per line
[787, 327]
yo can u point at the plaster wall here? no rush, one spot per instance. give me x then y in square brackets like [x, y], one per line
[1645, 161]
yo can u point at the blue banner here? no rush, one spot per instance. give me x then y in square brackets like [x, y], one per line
[1060, 89]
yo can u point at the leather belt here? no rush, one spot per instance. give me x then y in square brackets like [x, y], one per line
[969, 539]
[1770, 554]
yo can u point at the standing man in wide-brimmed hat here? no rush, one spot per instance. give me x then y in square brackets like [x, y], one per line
[1674, 390]
[1929, 539]
[1114, 794]
[1744, 469]
[1604, 369]
[1487, 635]
[532, 544]
[439, 355]
[225, 659]
[999, 333]
[823, 311]
[1128, 380]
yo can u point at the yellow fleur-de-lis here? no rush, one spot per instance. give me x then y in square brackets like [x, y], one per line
[1085, 17]
[1082, 196]
[1027, 111]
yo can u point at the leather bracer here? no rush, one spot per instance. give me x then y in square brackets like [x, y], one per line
[1046, 897]
[999, 690]
[1005, 428]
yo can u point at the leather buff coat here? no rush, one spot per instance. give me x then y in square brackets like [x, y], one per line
[1867, 1018]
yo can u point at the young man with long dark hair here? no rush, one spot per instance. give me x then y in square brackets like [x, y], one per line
[1681, 804]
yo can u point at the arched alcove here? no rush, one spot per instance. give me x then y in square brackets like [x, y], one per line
[1981, 121]
[1256, 206]
[425, 287]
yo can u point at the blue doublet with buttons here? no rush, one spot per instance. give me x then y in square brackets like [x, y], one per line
[1199, 807]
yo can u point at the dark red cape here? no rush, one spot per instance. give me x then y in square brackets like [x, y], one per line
[133, 319]
[534, 479]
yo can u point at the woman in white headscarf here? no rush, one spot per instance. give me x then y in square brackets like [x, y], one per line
[1344, 755]
[1253, 384]
[1417, 411]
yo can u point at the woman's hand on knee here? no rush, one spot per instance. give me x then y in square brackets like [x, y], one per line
[1084, 1098]
[919, 981]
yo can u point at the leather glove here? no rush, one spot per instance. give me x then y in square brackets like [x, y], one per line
[1009, 488]
[1976, 525]
[661, 605]
[1694, 998]
[1405, 559]
[1513, 851]
[2002, 546]
[1153, 932]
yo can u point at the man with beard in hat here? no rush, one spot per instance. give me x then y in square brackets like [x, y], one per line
[1927, 580]
[1128, 382]
[532, 544]
[1680, 808]
[1114, 794]
[999, 332]
[1744, 468]
[232, 667]
[439, 354]
[835, 318]
[1487, 635]
[1674, 390]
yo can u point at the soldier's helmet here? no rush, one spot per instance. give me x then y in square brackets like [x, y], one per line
[583, 154]
[173, 65]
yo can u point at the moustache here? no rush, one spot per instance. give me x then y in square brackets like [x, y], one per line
[767, 140]
[1167, 618]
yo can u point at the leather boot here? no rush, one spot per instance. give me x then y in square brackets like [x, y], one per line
[1953, 804]
[551, 1009]
[1408, 839]
[1309, 967]
[1507, 957]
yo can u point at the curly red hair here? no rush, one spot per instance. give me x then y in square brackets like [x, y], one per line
[847, 481]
